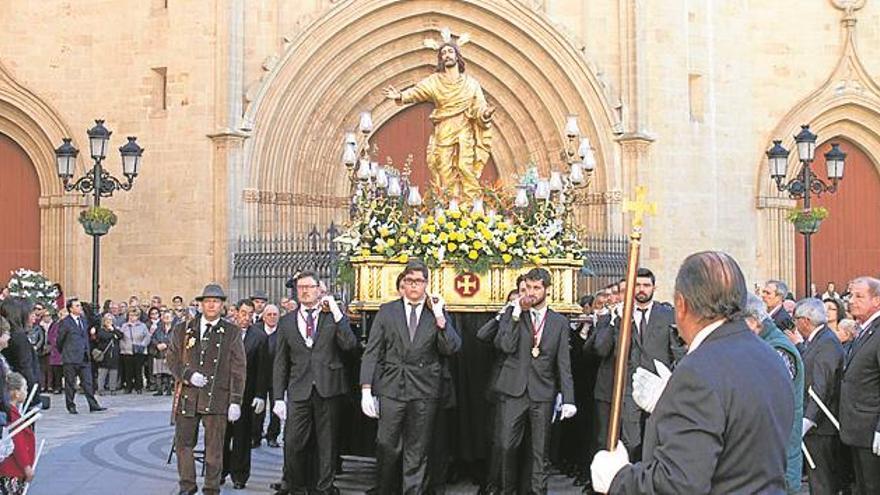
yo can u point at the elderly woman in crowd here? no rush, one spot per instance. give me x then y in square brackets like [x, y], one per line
[20, 354]
[158, 346]
[133, 350]
[107, 355]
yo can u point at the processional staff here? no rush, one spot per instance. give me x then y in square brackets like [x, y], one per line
[639, 208]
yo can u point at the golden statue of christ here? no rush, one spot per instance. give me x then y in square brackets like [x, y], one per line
[460, 145]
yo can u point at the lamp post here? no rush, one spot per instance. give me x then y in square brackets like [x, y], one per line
[98, 181]
[806, 183]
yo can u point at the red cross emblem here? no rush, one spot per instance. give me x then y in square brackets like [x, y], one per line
[467, 284]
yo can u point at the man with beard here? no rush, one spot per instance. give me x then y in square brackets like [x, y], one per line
[654, 339]
[534, 340]
[459, 147]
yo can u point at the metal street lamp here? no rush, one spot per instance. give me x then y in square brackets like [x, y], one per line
[98, 181]
[806, 183]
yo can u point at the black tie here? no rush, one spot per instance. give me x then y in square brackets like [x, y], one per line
[413, 321]
[643, 321]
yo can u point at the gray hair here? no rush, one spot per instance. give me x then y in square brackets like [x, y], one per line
[755, 308]
[847, 325]
[781, 287]
[811, 309]
[872, 283]
[713, 285]
[270, 307]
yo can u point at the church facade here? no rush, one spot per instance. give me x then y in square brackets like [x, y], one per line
[242, 107]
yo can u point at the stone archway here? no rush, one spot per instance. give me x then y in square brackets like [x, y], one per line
[37, 128]
[339, 65]
[847, 106]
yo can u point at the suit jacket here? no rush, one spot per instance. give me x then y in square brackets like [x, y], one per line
[73, 341]
[256, 351]
[298, 368]
[860, 390]
[782, 319]
[487, 334]
[271, 346]
[600, 342]
[542, 377]
[404, 370]
[823, 365]
[219, 357]
[722, 423]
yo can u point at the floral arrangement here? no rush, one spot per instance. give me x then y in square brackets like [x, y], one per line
[33, 286]
[812, 214]
[472, 237]
[98, 214]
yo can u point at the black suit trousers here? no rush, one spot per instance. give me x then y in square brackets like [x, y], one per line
[867, 468]
[237, 445]
[405, 429]
[314, 417]
[84, 372]
[603, 417]
[274, 428]
[823, 449]
[518, 414]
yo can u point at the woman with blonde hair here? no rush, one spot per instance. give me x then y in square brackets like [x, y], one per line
[106, 355]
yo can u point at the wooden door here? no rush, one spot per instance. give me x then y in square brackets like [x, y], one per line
[19, 210]
[848, 242]
[407, 133]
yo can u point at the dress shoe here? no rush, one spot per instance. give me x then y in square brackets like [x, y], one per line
[238, 485]
[278, 486]
[72, 410]
[273, 444]
[97, 409]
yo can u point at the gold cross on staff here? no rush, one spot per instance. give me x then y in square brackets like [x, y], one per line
[639, 207]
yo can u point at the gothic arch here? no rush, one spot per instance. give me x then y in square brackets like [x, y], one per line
[847, 105]
[35, 126]
[338, 66]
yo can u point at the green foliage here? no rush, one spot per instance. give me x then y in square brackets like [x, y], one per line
[98, 214]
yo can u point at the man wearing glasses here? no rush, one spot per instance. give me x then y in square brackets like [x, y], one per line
[402, 364]
[308, 366]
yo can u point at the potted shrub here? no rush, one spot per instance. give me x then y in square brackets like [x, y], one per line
[807, 221]
[97, 220]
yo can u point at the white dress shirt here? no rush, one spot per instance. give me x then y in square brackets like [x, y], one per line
[705, 332]
[204, 324]
[637, 315]
[538, 322]
[411, 306]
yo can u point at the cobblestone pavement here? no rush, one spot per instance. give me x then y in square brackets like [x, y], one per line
[123, 451]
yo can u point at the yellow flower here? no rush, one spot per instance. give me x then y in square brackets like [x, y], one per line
[426, 238]
[441, 219]
[443, 237]
[432, 228]
[544, 250]
[451, 246]
[530, 244]
[465, 223]
[410, 232]
[403, 258]
[365, 252]
[455, 214]
[510, 238]
[383, 231]
[506, 258]
[502, 225]
[471, 234]
[390, 242]
[478, 244]
[502, 247]
[473, 254]
[379, 248]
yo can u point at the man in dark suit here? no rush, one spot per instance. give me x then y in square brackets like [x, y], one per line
[654, 339]
[534, 340]
[237, 445]
[268, 326]
[308, 366]
[206, 357]
[773, 294]
[859, 394]
[823, 365]
[73, 344]
[600, 343]
[401, 364]
[722, 422]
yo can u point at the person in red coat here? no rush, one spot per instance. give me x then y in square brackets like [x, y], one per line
[18, 468]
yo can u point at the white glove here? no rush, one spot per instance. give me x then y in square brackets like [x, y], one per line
[198, 380]
[369, 404]
[234, 413]
[334, 307]
[806, 424]
[6, 445]
[606, 465]
[568, 411]
[280, 410]
[437, 306]
[259, 405]
[517, 309]
[648, 387]
[876, 446]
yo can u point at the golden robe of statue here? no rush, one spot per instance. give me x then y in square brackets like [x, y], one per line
[460, 145]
